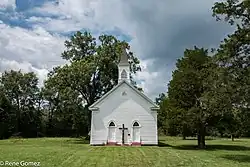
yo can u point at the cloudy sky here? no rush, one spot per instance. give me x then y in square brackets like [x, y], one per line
[32, 32]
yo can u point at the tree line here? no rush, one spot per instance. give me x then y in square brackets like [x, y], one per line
[60, 107]
[208, 95]
[209, 92]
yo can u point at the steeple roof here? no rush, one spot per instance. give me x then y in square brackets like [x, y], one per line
[124, 57]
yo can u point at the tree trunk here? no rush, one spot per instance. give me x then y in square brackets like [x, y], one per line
[198, 139]
[184, 132]
[183, 137]
[17, 121]
[201, 136]
[202, 142]
[165, 132]
[232, 137]
[18, 115]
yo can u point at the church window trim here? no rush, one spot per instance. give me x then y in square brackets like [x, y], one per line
[112, 124]
[136, 123]
[124, 74]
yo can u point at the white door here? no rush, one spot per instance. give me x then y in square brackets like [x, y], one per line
[136, 134]
[112, 134]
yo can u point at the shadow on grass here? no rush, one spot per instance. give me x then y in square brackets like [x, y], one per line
[208, 147]
[196, 139]
[78, 141]
[161, 140]
[213, 147]
[238, 158]
[162, 144]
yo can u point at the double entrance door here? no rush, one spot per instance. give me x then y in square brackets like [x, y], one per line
[122, 134]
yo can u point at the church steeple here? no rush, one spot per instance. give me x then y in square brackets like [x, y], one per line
[123, 67]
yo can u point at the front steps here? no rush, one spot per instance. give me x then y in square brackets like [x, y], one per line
[118, 144]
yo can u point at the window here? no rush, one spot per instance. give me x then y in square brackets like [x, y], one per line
[112, 124]
[124, 74]
[136, 124]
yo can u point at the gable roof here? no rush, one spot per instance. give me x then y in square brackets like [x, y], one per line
[154, 106]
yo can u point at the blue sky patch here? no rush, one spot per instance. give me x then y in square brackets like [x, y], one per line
[23, 11]
[118, 34]
[22, 5]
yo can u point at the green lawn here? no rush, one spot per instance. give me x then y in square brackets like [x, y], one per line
[66, 152]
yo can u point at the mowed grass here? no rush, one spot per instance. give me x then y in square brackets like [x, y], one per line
[68, 152]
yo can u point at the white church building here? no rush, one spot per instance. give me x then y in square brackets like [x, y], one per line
[124, 115]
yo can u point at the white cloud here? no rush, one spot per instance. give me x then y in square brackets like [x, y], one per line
[25, 67]
[7, 3]
[153, 26]
[29, 50]
[35, 46]
[37, 50]
[148, 80]
[96, 15]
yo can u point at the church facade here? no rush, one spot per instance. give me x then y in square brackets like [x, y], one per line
[124, 116]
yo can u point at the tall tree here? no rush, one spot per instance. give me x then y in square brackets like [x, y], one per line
[65, 115]
[186, 89]
[21, 90]
[93, 69]
[233, 54]
[7, 116]
[161, 115]
[168, 117]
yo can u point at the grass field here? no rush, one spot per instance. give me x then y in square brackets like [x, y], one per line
[67, 152]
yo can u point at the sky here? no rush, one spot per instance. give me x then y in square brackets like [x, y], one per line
[32, 32]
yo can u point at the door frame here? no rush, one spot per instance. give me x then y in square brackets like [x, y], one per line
[113, 127]
[138, 128]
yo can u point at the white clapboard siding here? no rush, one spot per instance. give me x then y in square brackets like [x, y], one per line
[124, 109]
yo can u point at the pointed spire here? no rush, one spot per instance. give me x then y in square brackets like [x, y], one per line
[123, 66]
[124, 57]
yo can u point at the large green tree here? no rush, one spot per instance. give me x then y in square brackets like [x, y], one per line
[93, 66]
[186, 90]
[233, 56]
[64, 114]
[21, 91]
[233, 53]
[7, 116]
[168, 117]
[161, 114]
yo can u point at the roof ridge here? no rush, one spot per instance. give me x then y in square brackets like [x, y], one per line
[124, 81]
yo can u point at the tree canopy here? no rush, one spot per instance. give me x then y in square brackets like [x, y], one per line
[212, 92]
[208, 95]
